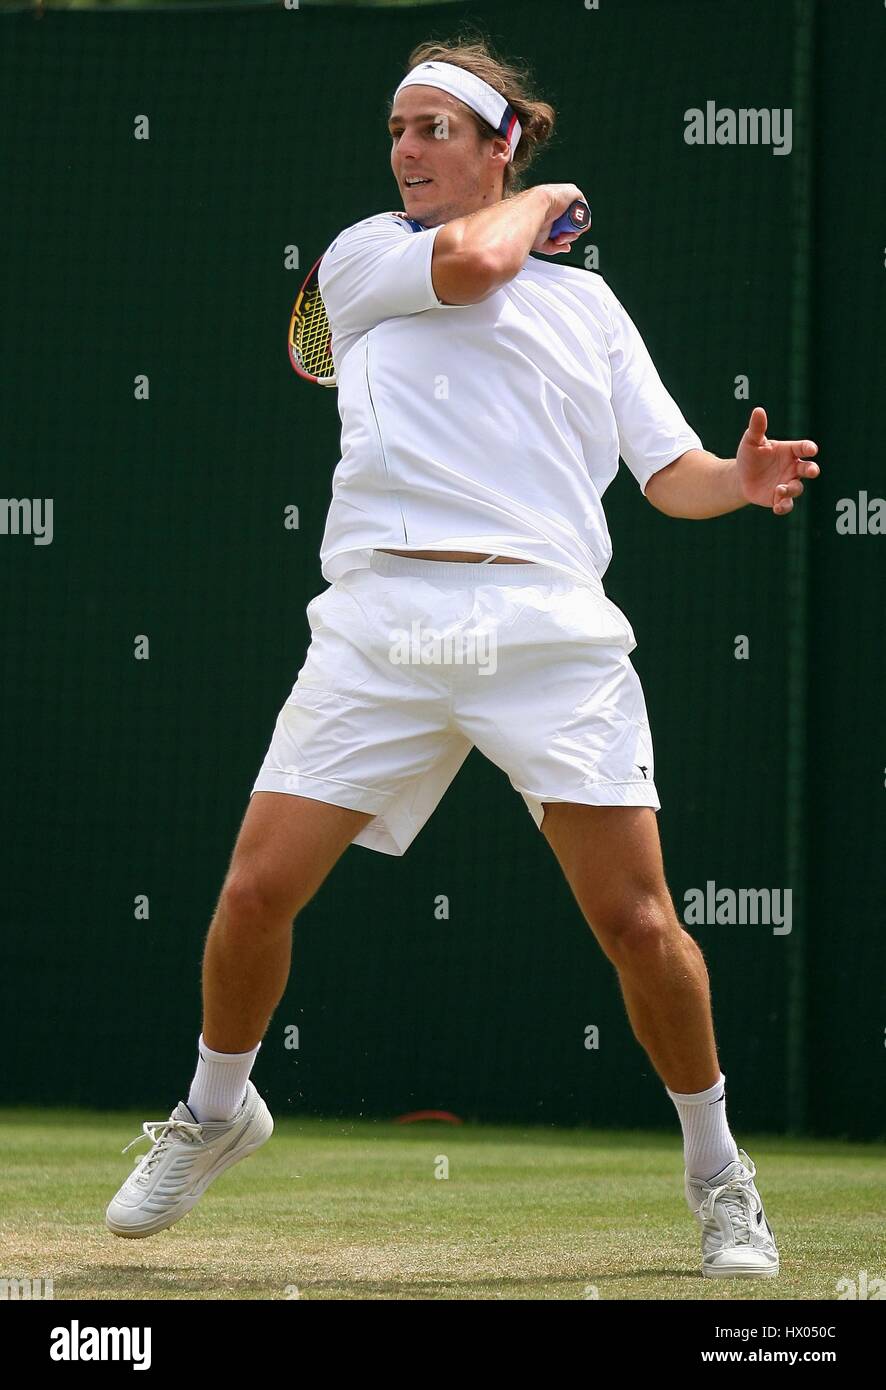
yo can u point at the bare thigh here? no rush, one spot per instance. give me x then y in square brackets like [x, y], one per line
[611, 857]
[286, 847]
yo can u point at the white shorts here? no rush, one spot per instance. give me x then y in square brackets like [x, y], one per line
[414, 662]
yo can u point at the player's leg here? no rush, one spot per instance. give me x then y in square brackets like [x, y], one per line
[286, 847]
[358, 726]
[611, 857]
[561, 710]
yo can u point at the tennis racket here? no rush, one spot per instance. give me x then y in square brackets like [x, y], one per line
[576, 218]
[310, 337]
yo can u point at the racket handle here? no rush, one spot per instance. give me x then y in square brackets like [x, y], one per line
[576, 218]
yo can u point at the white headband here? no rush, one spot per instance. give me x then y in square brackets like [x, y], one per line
[473, 91]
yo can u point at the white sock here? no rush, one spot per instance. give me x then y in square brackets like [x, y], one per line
[707, 1141]
[219, 1084]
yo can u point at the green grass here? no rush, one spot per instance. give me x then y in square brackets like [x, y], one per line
[353, 1210]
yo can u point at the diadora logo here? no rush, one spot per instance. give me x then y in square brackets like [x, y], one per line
[76, 1343]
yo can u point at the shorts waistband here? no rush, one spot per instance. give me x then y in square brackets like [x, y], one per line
[467, 572]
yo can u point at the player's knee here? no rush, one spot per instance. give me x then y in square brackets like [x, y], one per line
[637, 925]
[252, 901]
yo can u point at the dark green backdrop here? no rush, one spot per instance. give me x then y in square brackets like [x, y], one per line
[127, 777]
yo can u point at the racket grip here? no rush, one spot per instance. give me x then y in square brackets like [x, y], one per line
[576, 218]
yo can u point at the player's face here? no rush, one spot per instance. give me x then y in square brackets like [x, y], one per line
[434, 138]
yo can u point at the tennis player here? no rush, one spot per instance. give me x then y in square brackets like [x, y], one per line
[485, 398]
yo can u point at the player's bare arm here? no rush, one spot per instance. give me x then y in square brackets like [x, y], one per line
[765, 472]
[475, 255]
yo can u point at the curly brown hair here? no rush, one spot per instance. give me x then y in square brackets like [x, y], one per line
[473, 52]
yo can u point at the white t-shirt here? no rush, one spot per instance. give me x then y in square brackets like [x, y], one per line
[492, 427]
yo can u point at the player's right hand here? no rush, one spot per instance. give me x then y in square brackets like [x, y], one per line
[561, 196]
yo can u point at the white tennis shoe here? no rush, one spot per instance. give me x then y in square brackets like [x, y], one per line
[736, 1239]
[184, 1159]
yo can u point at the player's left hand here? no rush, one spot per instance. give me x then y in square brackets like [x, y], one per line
[770, 470]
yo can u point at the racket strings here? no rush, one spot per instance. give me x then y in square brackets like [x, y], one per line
[312, 335]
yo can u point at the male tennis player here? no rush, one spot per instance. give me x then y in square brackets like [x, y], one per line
[485, 398]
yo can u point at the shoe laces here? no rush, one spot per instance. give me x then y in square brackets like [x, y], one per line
[160, 1133]
[739, 1199]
